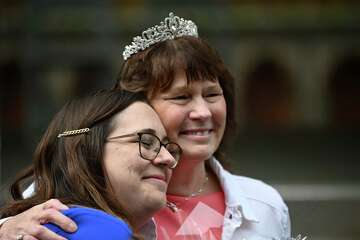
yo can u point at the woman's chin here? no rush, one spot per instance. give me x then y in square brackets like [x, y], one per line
[156, 202]
[198, 155]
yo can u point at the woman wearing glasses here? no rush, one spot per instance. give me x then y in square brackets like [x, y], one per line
[108, 158]
[192, 91]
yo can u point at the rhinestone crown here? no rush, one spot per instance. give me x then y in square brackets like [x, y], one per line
[172, 27]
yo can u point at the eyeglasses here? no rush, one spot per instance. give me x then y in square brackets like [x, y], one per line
[150, 145]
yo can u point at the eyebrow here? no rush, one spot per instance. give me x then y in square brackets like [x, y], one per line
[147, 130]
[213, 87]
[179, 89]
[150, 130]
[183, 88]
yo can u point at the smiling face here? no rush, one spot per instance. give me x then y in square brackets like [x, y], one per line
[152, 71]
[138, 183]
[194, 115]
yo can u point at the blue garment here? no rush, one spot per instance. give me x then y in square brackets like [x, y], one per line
[93, 224]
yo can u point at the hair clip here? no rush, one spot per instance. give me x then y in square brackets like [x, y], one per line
[73, 132]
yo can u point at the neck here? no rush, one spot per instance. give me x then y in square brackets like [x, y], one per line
[188, 178]
[138, 221]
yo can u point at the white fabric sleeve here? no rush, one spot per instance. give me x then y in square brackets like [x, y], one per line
[26, 194]
[4, 220]
[29, 191]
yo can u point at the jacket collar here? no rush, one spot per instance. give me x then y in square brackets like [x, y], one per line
[233, 199]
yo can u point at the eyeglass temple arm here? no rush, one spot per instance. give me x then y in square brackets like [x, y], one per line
[122, 136]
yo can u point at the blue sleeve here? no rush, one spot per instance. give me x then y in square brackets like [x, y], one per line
[93, 224]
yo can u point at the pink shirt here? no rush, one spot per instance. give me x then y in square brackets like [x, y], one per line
[195, 218]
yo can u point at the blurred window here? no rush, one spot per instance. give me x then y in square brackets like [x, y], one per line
[344, 92]
[268, 96]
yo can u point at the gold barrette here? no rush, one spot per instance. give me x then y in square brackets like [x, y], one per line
[73, 132]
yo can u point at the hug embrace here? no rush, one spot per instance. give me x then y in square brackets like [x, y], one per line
[146, 160]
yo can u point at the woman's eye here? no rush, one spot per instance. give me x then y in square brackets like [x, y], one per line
[146, 144]
[181, 97]
[214, 94]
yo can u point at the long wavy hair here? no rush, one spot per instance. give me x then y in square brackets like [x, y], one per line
[71, 168]
[152, 71]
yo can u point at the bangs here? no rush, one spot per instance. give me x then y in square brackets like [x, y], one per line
[153, 71]
[183, 54]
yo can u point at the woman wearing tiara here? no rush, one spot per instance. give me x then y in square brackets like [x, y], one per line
[192, 91]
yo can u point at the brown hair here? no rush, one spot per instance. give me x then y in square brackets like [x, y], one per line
[71, 168]
[153, 70]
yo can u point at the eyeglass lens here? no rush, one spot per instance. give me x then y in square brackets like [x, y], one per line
[150, 147]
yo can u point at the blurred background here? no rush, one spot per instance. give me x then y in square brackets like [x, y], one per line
[297, 69]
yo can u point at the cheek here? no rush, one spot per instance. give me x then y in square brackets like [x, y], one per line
[172, 119]
[119, 169]
[219, 113]
[124, 178]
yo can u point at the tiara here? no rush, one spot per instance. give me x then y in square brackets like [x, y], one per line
[172, 27]
[73, 132]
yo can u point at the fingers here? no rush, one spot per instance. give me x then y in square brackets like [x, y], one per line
[54, 203]
[59, 219]
[30, 222]
[28, 237]
[42, 233]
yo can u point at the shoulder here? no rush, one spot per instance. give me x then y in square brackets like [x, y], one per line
[257, 190]
[93, 224]
[264, 202]
[235, 186]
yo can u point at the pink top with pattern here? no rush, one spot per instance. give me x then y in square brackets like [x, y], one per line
[195, 218]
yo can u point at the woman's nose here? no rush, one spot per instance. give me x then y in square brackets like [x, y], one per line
[165, 158]
[200, 110]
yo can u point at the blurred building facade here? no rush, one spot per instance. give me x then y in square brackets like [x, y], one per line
[297, 69]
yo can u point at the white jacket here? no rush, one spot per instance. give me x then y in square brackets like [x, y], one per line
[254, 210]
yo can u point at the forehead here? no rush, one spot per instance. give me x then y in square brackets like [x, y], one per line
[181, 80]
[136, 117]
[165, 70]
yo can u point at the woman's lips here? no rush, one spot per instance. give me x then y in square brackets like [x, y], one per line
[156, 180]
[196, 132]
[197, 135]
[156, 177]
